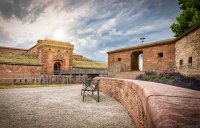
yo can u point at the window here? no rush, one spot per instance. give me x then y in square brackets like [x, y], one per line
[119, 59]
[190, 61]
[58, 50]
[181, 63]
[49, 49]
[160, 55]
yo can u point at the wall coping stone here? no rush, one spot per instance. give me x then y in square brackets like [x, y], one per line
[164, 105]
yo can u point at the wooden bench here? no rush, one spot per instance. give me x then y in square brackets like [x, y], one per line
[86, 82]
[90, 89]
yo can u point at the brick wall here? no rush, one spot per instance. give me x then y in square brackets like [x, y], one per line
[77, 56]
[153, 61]
[50, 55]
[22, 74]
[126, 93]
[151, 58]
[125, 59]
[154, 105]
[186, 47]
[33, 51]
[5, 50]
[9, 69]
[50, 51]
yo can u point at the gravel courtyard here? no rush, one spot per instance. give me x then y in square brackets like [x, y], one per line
[59, 107]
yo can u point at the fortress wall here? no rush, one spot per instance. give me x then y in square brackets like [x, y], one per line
[151, 59]
[9, 72]
[153, 62]
[188, 51]
[7, 50]
[155, 105]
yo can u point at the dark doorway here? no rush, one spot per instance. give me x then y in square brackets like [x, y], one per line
[136, 61]
[57, 68]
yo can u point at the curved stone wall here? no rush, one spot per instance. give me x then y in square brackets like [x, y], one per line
[153, 104]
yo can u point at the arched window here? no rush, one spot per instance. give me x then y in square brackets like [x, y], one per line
[57, 68]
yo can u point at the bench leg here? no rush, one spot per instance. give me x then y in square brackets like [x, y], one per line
[83, 95]
[98, 94]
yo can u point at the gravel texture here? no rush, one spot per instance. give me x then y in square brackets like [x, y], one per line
[59, 107]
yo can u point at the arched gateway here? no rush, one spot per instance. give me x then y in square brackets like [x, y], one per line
[57, 68]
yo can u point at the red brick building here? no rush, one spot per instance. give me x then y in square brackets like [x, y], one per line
[47, 57]
[52, 56]
[181, 54]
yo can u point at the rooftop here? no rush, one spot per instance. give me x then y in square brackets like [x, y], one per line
[75, 54]
[19, 59]
[143, 45]
[57, 42]
[54, 43]
[87, 63]
[31, 60]
[4, 47]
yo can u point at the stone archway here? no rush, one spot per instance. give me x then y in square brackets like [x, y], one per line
[57, 68]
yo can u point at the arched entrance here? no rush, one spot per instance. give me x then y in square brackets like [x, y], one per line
[57, 68]
[137, 61]
[140, 57]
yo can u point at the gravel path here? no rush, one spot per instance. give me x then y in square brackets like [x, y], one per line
[59, 107]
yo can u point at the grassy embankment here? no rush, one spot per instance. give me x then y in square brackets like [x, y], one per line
[19, 59]
[87, 63]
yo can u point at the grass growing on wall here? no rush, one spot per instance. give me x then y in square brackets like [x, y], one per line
[86, 63]
[34, 86]
[19, 59]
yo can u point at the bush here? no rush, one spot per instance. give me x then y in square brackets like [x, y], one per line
[150, 73]
[175, 79]
[149, 76]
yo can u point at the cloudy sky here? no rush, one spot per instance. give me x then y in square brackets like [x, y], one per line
[93, 26]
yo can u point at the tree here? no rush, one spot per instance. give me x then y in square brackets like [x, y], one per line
[189, 17]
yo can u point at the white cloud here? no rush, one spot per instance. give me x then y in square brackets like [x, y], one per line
[107, 26]
[157, 25]
[94, 27]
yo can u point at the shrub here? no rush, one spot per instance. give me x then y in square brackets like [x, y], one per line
[150, 73]
[175, 79]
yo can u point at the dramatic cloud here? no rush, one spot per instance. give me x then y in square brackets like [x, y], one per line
[93, 26]
[23, 9]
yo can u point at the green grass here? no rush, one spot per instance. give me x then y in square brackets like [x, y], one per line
[19, 59]
[86, 63]
[34, 86]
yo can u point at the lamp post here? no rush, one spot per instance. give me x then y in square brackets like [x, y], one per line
[142, 39]
[141, 59]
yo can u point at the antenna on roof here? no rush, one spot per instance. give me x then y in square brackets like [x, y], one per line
[142, 39]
